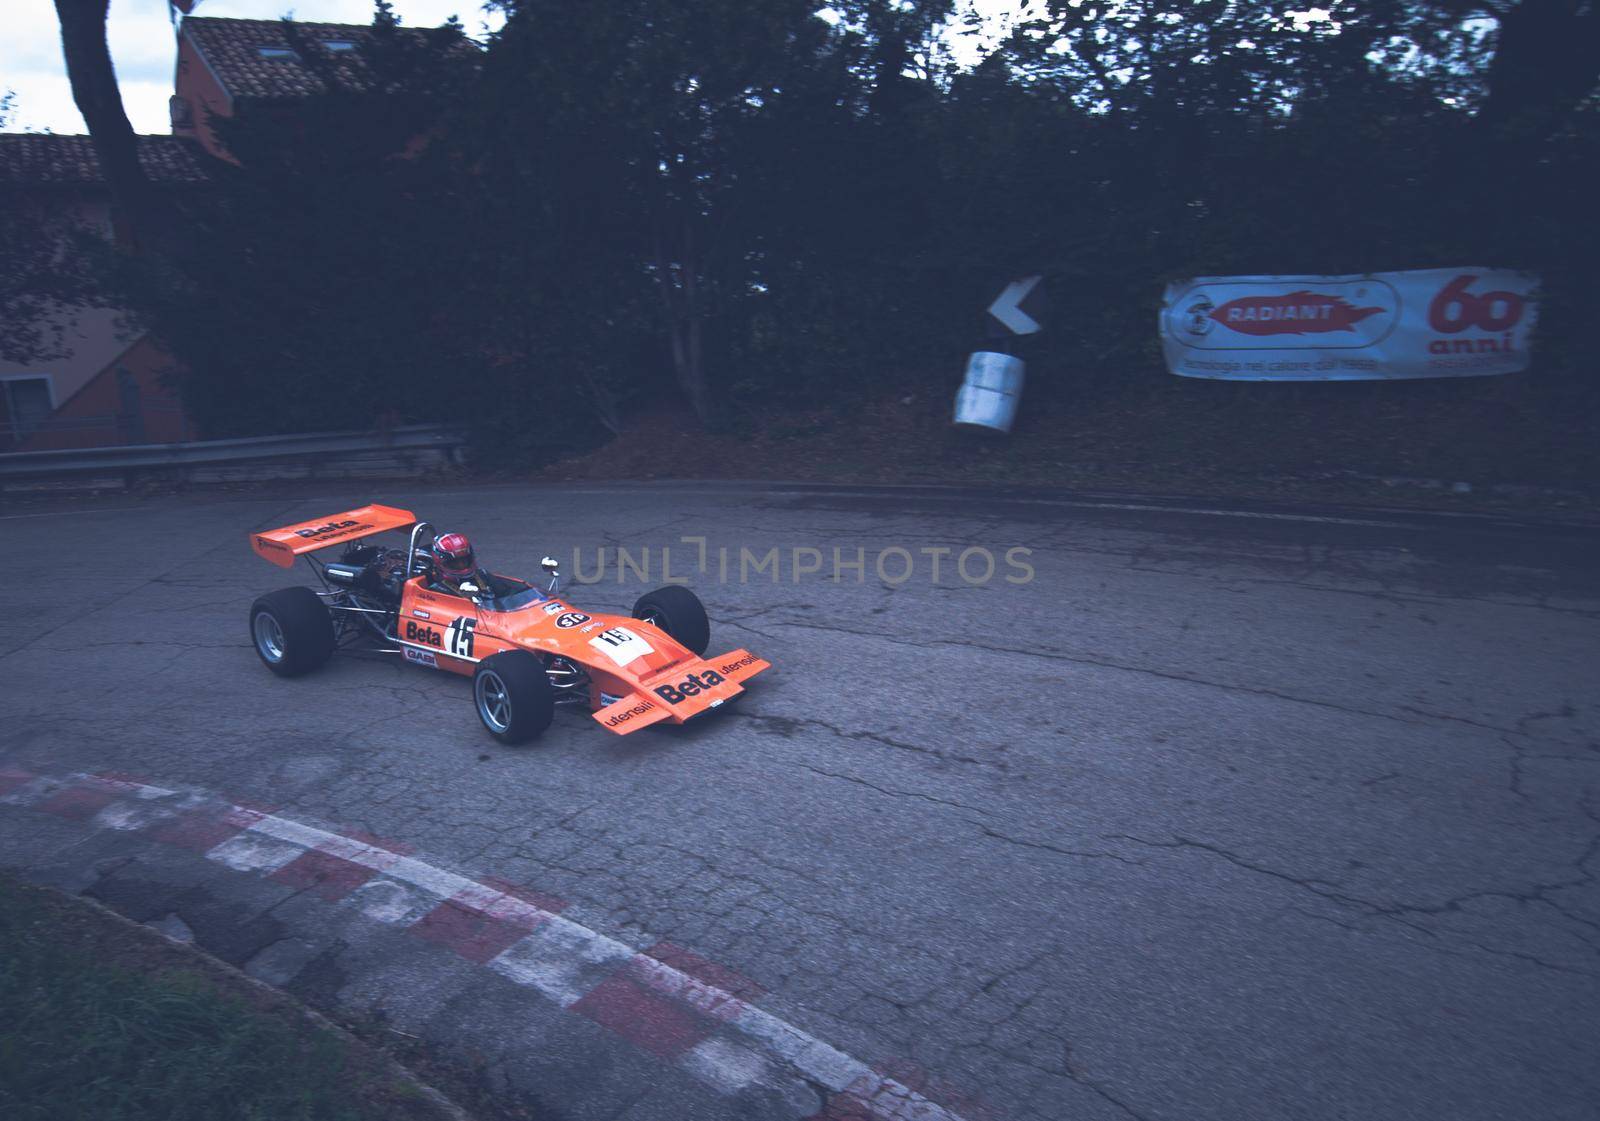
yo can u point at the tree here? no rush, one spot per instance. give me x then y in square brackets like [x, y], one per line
[52, 264]
[49, 266]
[735, 207]
[1522, 63]
[708, 157]
[322, 263]
[98, 98]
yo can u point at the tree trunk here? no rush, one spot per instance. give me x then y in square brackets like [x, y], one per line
[693, 375]
[669, 308]
[94, 90]
[678, 298]
[602, 401]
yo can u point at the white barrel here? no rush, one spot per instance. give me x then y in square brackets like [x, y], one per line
[988, 395]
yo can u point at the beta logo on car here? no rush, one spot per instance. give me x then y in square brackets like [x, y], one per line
[324, 530]
[457, 640]
[428, 635]
[690, 686]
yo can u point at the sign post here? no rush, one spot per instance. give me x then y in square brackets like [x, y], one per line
[1018, 308]
[993, 383]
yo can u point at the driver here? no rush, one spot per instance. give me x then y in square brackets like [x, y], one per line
[457, 566]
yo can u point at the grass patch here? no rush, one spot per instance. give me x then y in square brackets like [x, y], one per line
[108, 1022]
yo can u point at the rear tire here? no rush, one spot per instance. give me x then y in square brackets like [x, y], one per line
[512, 696]
[679, 612]
[292, 631]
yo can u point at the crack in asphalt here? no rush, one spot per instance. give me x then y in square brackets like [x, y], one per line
[1386, 595]
[786, 726]
[886, 790]
[1261, 691]
[1537, 893]
[1059, 851]
[117, 597]
[1099, 1089]
[1083, 659]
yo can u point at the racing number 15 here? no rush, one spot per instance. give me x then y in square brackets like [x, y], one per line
[459, 636]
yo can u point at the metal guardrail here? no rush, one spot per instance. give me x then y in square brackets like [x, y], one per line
[410, 449]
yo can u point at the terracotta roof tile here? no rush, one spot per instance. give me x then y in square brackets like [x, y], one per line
[232, 48]
[31, 159]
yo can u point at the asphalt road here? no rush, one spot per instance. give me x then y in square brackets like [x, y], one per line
[1224, 814]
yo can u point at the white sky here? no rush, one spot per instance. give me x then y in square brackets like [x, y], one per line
[142, 49]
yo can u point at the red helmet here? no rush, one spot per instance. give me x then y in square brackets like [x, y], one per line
[454, 553]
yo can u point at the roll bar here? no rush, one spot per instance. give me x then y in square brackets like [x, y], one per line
[411, 546]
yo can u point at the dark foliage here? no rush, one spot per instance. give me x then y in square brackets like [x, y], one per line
[736, 207]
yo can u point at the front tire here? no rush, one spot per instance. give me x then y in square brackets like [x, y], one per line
[513, 696]
[679, 612]
[292, 631]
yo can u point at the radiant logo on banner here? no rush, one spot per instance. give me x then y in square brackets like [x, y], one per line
[1293, 313]
[1307, 313]
[1417, 323]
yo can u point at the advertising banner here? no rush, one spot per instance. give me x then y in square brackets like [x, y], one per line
[1423, 323]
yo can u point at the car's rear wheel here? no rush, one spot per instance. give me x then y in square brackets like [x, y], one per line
[679, 612]
[513, 696]
[292, 631]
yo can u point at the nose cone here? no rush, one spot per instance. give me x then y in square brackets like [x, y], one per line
[617, 644]
[637, 649]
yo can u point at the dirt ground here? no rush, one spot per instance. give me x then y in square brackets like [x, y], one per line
[1474, 448]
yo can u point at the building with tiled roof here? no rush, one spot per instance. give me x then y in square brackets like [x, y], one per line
[256, 57]
[110, 387]
[105, 386]
[42, 160]
[224, 61]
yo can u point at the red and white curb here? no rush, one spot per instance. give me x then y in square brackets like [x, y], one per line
[666, 1000]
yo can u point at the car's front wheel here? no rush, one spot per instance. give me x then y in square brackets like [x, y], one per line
[513, 696]
[679, 612]
[292, 631]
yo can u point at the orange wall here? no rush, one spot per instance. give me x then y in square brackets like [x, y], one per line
[98, 413]
[195, 83]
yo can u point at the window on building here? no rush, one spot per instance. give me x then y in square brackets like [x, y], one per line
[277, 52]
[28, 404]
[338, 46]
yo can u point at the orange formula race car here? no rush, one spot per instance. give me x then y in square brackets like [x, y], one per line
[524, 647]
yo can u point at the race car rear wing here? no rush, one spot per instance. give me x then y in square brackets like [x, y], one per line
[281, 546]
